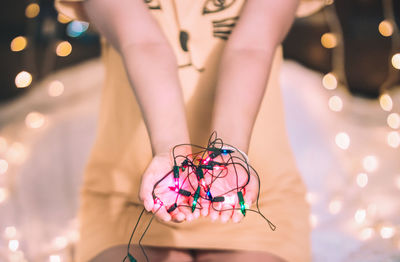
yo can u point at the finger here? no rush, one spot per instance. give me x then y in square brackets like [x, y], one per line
[196, 213]
[186, 210]
[177, 216]
[237, 215]
[148, 203]
[205, 208]
[226, 214]
[214, 211]
[247, 202]
[250, 196]
[161, 213]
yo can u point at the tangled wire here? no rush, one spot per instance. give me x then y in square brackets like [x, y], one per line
[218, 173]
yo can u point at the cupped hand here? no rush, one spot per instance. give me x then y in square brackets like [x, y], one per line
[159, 167]
[226, 182]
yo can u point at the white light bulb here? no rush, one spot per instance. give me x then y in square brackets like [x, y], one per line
[342, 140]
[335, 206]
[387, 232]
[13, 245]
[370, 163]
[362, 180]
[55, 258]
[360, 215]
[10, 232]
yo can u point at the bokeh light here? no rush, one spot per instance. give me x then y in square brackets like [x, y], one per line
[311, 198]
[10, 232]
[387, 232]
[329, 81]
[60, 242]
[313, 220]
[342, 140]
[16, 153]
[396, 61]
[386, 102]
[328, 40]
[3, 194]
[335, 206]
[393, 120]
[3, 166]
[63, 19]
[13, 245]
[55, 258]
[76, 28]
[23, 79]
[56, 88]
[360, 216]
[18, 43]
[385, 28]
[63, 49]
[393, 139]
[362, 180]
[367, 233]
[370, 163]
[34, 120]
[335, 103]
[32, 10]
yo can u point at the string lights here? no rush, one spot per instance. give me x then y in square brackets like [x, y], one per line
[14, 153]
[194, 181]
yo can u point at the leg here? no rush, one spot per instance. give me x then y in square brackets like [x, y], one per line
[155, 254]
[235, 256]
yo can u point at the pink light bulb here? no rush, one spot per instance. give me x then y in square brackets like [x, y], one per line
[206, 160]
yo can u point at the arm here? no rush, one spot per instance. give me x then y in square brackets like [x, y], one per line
[152, 71]
[245, 67]
[243, 76]
[150, 64]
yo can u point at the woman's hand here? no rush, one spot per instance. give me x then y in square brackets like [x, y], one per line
[158, 168]
[230, 179]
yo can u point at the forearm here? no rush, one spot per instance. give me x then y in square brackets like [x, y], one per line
[241, 85]
[150, 66]
[245, 66]
[152, 70]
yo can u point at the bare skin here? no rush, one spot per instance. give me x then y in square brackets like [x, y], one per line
[246, 62]
[243, 74]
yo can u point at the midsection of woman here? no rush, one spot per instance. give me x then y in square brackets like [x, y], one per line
[197, 32]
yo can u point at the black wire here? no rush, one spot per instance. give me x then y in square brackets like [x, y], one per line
[213, 143]
[133, 232]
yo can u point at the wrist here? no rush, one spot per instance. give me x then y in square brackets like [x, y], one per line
[234, 137]
[234, 148]
[163, 145]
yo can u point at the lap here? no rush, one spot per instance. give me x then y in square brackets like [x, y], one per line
[161, 254]
[235, 256]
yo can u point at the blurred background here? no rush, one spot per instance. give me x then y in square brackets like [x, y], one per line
[340, 82]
